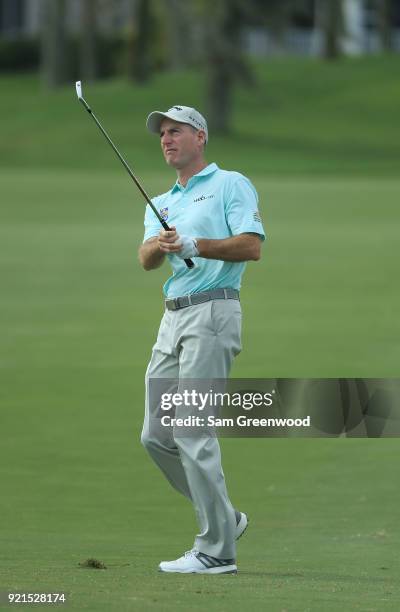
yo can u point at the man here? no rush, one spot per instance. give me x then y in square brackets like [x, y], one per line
[214, 220]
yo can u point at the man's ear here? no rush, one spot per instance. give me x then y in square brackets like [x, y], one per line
[202, 137]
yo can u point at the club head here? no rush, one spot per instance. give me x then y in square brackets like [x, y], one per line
[78, 86]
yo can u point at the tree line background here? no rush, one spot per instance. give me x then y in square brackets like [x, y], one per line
[204, 35]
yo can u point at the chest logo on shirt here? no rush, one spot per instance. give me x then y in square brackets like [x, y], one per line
[204, 197]
[164, 213]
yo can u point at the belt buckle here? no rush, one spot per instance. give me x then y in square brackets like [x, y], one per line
[171, 304]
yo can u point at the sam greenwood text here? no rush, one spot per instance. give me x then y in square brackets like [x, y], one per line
[240, 421]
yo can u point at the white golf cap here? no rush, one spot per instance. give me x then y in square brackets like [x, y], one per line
[183, 114]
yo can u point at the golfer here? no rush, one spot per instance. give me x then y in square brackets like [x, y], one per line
[214, 220]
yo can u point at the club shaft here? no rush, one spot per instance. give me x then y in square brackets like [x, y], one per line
[125, 163]
[165, 225]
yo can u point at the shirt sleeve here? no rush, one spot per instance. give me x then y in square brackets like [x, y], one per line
[151, 223]
[242, 212]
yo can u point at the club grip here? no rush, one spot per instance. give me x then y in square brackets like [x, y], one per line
[188, 262]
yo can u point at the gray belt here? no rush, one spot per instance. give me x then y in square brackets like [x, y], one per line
[199, 298]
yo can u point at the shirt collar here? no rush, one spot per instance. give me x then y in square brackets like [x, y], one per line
[207, 170]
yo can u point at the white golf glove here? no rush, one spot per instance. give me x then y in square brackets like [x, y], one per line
[189, 247]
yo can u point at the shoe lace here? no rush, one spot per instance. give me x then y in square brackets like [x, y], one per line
[190, 553]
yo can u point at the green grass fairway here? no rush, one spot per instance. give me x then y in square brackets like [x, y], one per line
[302, 118]
[323, 301]
[78, 321]
[78, 318]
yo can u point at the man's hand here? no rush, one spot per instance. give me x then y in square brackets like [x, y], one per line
[183, 246]
[167, 241]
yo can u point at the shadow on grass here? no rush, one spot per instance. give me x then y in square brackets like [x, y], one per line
[336, 147]
[317, 576]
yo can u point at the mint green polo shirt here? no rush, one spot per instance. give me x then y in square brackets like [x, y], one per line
[215, 204]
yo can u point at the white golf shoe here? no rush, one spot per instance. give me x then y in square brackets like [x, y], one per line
[242, 523]
[194, 562]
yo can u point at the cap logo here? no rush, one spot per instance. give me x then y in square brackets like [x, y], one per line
[201, 126]
[177, 108]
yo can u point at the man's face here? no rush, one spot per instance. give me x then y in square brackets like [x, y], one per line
[180, 143]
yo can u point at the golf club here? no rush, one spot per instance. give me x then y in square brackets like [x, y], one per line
[165, 225]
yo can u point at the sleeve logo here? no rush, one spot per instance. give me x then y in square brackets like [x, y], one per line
[257, 216]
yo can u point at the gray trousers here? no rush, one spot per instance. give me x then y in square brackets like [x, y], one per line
[195, 342]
